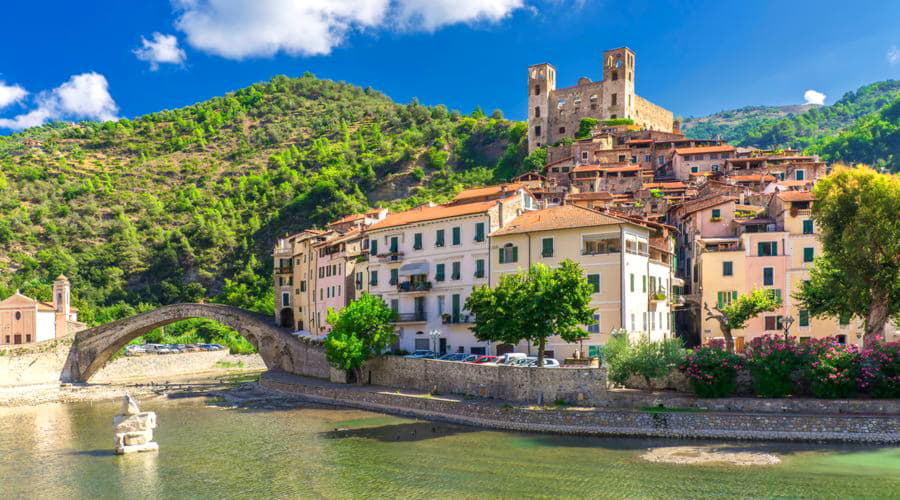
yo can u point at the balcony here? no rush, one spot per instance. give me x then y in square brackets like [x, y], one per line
[458, 319]
[658, 297]
[390, 257]
[284, 269]
[412, 287]
[416, 317]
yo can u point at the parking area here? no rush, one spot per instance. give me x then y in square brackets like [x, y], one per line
[143, 349]
[509, 359]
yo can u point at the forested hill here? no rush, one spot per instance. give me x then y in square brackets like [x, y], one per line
[166, 207]
[863, 119]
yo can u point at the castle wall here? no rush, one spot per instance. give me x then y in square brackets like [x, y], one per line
[651, 116]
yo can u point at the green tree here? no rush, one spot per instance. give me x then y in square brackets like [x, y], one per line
[586, 128]
[856, 212]
[735, 315]
[359, 331]
[533, 306]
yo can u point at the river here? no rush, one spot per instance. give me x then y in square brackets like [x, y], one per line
[64, 451]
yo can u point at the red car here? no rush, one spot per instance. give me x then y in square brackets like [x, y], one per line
[484, 359]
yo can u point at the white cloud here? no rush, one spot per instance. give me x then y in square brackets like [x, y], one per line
[162, 49]
[813, 97]
[85, 96]
[10, 94]
[237, 29]
[893, 55]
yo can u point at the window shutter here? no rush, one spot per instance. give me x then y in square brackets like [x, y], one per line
[374, 247]
[456, 235]
[502, 255]
[720, 300]
[515, 254]
[759, 248]
[778, 295]
[774, 248]
[734, 295]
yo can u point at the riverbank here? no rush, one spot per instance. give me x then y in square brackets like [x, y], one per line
[592, 421]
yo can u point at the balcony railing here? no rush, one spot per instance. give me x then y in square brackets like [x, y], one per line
[420, 286]
[457, 319]
[416, 317]
[284, 270]
[391, 257]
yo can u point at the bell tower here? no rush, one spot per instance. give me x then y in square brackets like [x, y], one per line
[61, 297]
[541, 84]
[618, 83]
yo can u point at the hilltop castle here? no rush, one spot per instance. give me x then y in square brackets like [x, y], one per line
[556, 113]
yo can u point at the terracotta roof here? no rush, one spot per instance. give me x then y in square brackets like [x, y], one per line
[601, 167]
[796, 196]
[559, 217]
[348, 218]
[622, 169]
[665, 185]
[752, 178]
[600, 195]
[482, 192]
[426, 213]
[697, 205]
[570, 158]
[526, 174]
[587, 168]
[796, 183]
[639, 141]
[704, 149]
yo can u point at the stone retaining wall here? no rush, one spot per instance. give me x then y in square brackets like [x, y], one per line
[510, 383]
[36, 364]
[170, 365]
[731, 426]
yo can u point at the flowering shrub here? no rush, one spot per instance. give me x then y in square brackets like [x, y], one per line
[772, 360]
[711, 371]
[834, 373]
[880, 370]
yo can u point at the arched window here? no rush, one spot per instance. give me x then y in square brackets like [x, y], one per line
[18, 315]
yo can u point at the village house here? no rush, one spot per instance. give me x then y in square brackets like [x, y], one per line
[24, 320]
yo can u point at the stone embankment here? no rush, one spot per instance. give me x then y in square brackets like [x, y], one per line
[794, 426]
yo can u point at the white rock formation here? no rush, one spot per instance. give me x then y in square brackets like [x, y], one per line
[134, 429]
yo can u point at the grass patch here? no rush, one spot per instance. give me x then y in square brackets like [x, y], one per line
[239, 378]
[229, 364]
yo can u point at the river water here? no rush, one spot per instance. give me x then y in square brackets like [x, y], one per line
[64, 451]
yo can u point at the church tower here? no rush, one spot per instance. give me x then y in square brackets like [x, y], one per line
[618, 83]
[61, 296]
[541, 84]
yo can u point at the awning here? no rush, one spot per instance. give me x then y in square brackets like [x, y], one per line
[414, 268]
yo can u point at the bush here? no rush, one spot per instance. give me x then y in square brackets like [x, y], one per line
[880, 370]
[834, 373]
[711, 371]
[643, 357]
[772, 361]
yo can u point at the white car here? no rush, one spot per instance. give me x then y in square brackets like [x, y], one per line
[509, 358]
[531, 362]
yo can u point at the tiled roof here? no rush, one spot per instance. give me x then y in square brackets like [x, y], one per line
[697, 205]
[426, 213]
[796, 196]
[487, 191]
[559, 217]
[639, 141]
[601, 195]
[665, 185]
[605, 167]
[796, 183]
[704, 149]
[751, 178]
[570, 159]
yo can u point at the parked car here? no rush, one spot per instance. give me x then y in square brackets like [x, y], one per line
[484, 359]
[423, 354]
[454, 356]
[508, 358]
[135, 350]
[468, 358]
[531, 361]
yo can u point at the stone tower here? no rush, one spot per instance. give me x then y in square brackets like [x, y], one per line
[61, 298]
[618, 83]
[541, 83]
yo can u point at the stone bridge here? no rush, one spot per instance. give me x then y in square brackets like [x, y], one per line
[280, 350]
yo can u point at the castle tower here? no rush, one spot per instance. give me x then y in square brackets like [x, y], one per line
[541, 84]
[61, 298]
[618, 83]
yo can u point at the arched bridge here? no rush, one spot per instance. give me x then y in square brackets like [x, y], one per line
[280, 350]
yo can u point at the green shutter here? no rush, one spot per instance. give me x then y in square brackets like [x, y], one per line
[594, 281]
[720, 300]
[734, 295]
[439, 241]
[807, 226]
[479, 268]
[515, 254]
[804, 317]
[439, 272]
[417, 241]
[501, 255]
[374, 247]
[479, 231]
[644, 283]
[456, 236]
[759, 248]
[393, 244]
[547, 247]
[808, 254]
[778, 295]
[774, 248]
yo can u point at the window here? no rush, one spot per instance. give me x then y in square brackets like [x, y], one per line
[441, 300]
[547, 247]
[456, 273]
[439, 238]
[417, 241]
[562, 130]
[632, 281]
[359, 280]
[594, 281]
[716, 214]
[799, 175]
[455, 234]
[595, 326]
[584, 155]
[808, 254]
[804, 317]
[767, 248]
[644, 284]
[773, 323]
[596, 245]
[303, 286]
[537, 131]
[479, 231]
[537, 90]
[395, 243]
[439, 272]
[768, 276]
[844, 319]
[395, 277]
[395, 305]
[479, 268]
[775, 293]
[694, 170]
[615, 98]
[808, 226]
[727, 268]
[509, 253]
[285, 301]
[373, 278]
[537, 111]
[373, 247]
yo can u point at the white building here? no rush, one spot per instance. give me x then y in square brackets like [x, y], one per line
[24, 320]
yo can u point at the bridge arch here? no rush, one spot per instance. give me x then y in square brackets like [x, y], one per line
[280, 350]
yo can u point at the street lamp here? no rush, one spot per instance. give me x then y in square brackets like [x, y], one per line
[435, 335]
[786, 324]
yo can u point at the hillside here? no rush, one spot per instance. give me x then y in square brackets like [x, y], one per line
[168, 206]
[762, 127]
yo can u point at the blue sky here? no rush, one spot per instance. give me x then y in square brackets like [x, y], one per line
[84, 60]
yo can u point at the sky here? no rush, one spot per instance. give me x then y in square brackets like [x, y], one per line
[108, 59]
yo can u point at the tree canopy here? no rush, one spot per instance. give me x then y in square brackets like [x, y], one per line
[533, 306]
[856, 213]
[735, 315]
[359, 331]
